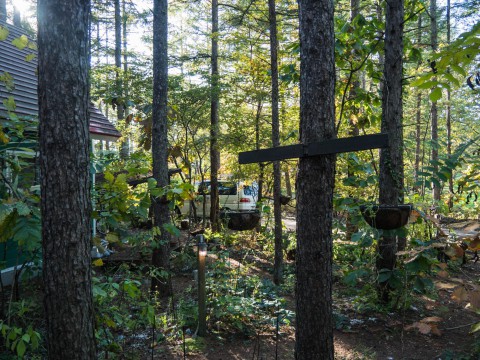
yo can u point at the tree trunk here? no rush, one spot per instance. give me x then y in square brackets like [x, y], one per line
[418, 115]
[353, 130]
[17, 17]
[418, 136]
[3, 10]
[214, 123]
[449, 121]
[434, 109]
[288, 184]
[391, 159]
[124, 148]
[261, 166]
[161, 213]
[277, 175]
[63, 93]
[315, 183]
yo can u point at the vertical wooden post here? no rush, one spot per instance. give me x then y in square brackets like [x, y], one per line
[202, 308]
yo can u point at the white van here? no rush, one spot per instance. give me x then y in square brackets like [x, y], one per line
[232, 196]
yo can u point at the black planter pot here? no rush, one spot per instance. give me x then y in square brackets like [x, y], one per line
[241, 220]
[386, 217]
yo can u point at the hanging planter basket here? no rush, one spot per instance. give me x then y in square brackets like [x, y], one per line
[241, 220]
[386, 217]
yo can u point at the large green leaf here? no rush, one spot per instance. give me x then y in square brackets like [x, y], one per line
[3, 33]
[20, 42]
[7, 226]
[436, 94]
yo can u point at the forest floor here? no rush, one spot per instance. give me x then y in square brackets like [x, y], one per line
[430, 329]
[435, 327]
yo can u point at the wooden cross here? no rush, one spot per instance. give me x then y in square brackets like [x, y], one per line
[331, 146]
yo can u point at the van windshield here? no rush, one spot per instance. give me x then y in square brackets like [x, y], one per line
[224, 188]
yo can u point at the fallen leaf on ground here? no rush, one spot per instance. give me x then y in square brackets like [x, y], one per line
[436, 330]
[431, 319]
[444, 286]
[443, 274]
[460, 294]
[421, 327]
[442, 266]
[474, 299]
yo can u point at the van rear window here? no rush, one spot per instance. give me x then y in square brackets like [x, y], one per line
[227, 188]
[247, 190]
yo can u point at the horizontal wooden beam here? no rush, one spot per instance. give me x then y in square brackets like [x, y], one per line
[332, 146]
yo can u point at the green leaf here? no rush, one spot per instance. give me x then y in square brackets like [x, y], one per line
[7, 79]
[9, 103]
[29, 57]
[384, 275]
[475, 328]
[6, 226]
[20, 42]
[21, 348]
[22, 209]
[172, 229]
[458, 69]
[3, 33]
[436, 94]
[452, 79]
[427, 84]
[418, 264]
[152, 183]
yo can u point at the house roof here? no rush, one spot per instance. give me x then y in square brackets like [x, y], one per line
[23, 69]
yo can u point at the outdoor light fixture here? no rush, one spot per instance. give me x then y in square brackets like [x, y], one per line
[202, 248]
[202, 307]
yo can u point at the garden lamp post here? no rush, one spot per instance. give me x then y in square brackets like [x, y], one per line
[202, 311]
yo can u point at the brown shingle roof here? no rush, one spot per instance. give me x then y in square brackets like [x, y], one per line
[24, 73]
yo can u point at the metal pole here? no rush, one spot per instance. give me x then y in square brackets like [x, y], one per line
[202, 308]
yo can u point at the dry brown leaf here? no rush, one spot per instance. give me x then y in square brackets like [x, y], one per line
[474, 299]
[444, 286]
[414, 215]
[431, 319]
[450, 252]
[460, 294]
[442, 266]
[410, 327]
[436, 330]
[423, 328]
[458, 250]
[475, 244]
[443, 274]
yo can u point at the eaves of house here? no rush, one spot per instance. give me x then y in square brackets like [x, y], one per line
[22, 66]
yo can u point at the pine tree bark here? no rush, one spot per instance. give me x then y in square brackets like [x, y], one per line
[277, 175]
[353, 129]
[161, 213]
[434, 108]
[214, 123]
[124, 146]
[391, 159]
[449, 120]
[63, 93]
[315, 183]
[418, 114]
